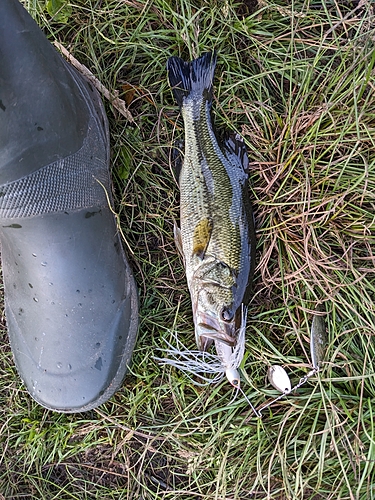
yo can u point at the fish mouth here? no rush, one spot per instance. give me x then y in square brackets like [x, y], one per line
[208, 329]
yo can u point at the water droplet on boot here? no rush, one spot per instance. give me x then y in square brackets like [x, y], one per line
[99, 364]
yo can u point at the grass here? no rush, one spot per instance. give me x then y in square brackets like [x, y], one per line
[297, 80]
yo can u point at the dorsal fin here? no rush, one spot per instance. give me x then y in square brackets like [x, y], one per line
[235, 150]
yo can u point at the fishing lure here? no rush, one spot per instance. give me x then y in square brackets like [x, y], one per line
[211, 368]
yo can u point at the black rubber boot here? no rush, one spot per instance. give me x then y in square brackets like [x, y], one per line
[70, 297]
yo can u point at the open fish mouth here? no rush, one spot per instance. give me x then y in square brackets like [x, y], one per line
[208, 328]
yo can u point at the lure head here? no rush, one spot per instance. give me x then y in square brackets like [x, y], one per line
[233, 377]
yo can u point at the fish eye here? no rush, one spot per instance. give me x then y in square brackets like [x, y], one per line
[227, 314]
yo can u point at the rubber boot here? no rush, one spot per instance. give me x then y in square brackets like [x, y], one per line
[70, 298]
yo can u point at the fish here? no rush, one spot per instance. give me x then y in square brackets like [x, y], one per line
[216, 237]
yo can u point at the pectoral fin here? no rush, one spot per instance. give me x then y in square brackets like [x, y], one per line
[201, 237]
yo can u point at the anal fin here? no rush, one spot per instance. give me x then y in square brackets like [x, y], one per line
[177, 158]
[178, 240]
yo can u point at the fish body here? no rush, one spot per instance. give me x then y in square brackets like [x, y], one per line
[217, 236]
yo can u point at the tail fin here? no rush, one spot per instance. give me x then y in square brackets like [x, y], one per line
[196, 76]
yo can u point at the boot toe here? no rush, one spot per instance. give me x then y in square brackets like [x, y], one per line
[71, 307]
[63, 369]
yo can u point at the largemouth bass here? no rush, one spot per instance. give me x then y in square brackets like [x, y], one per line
[216, 238]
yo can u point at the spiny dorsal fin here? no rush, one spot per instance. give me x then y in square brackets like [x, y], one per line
[201, 237]
[235, 150]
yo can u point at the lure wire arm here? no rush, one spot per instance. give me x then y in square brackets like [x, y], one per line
[236, 384]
